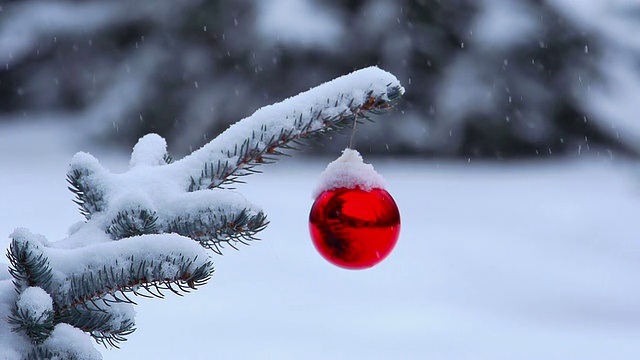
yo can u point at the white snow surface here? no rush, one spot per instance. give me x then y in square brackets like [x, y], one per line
[35, 301]
[349, 171]
[519, 261]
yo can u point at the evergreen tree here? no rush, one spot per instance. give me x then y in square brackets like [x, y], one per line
[486, 78]
[147, 231]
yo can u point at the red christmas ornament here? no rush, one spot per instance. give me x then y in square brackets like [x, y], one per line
[353, 228]
[354, 222]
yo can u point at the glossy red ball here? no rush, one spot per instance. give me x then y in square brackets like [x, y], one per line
[353, 228]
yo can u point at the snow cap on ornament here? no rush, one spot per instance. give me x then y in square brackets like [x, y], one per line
[349, 171]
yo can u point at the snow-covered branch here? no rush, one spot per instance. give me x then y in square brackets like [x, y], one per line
[256, 139]
[148, 230]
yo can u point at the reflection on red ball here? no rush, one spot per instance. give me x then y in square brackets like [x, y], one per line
[353, 228]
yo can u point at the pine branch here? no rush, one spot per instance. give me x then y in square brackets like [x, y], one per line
[89, 301]
[133, 222]
[256, 150]
[213, 229]
[65, 342]
[37, 326]
[107, 327]
[97, 298]
[110, 284]
[328, 107]
[44, 353]
[87, 197]
[168, 159]
[29, 266]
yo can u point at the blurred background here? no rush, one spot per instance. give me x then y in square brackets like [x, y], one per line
[501, 256]
[492, 79]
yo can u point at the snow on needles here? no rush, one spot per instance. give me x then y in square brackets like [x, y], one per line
[349, 171]
[149, 150]
[148, 249]
[35, 301]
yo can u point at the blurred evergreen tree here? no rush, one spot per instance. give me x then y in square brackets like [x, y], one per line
[489, 78]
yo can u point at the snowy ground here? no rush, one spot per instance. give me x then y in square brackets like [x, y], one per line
[518, 261]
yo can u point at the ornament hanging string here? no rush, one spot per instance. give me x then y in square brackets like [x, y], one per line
[353, 130]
